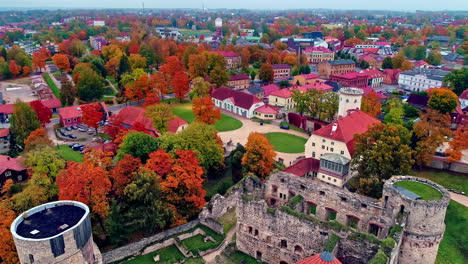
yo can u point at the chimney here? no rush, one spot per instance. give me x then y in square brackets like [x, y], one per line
[334, 128]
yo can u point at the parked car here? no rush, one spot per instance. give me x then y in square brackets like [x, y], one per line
[286, 127]
[74, 127]
[77, 147]
[62, 130]
[68, 128]
[91, 132]
[73, 145]
[72, 136]
[82, 129]
[65, 134]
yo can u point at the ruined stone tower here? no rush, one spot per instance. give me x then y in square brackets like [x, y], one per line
[423, 220]
[350, 99]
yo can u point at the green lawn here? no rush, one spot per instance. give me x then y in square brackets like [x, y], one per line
[425, 191]
[69, 154]
[228, 220]
[451, 180]
[292, 127]
[226, 123]
[454, 247]
[196, 244]
[286, 143]
[167, 255]
[51, 84]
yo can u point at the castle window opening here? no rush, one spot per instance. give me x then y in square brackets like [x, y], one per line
[284, 243]
[331, 214]
[402, 209]
[298, 250]
[274, 188]
[344, 199]
[374, 229]
[259, 255]
[256, 232]
[322, 192]
[250, 230]
[31, 258]
[386, 200]
[283, 262]
[302, 187]
[312, 207]
[268, 240]
[352, 221]
[363, 205]
[272, 201]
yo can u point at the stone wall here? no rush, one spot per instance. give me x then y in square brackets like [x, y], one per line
[165, 243]
[454, 166]
[137, 247]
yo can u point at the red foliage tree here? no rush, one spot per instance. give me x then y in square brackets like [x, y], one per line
[133, 49]
[205, 111]
[26, 70]
[138, 90]
[43, 113]
[14, 68]
[86, 183]
[160, 162]
[38, 61]
[140, 127]
[62, 62]
[180, 84]
[122, 173]
[91, 115]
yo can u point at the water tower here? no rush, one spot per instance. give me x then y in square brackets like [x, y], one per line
[350, 99]
[219, 26]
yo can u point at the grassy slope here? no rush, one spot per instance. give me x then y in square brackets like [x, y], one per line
[425, 191]
[454, 246]
[286, 143]
[69, 154]
[52, 85]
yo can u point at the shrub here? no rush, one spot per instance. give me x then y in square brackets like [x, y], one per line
[379, 258]
[331, 243]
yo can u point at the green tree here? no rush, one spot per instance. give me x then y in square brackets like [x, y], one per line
[115, 226]
[143, 206]
[457, 80]
[68, 93]
[442, 100]
[381, 152]
[90, 85]
[147, 52]
[130, 78]
[387, 63]
[199, 138]
[434, 57]
[364, 64]
[219, 76]
[138, 145]
[394, 116]
[201, 88]
[23, 121]
[124, 65]
[97, 63]
[265, 74]
[161, 114]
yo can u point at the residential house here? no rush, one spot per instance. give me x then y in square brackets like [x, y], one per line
[375, 77]
[327, 68]
[233, 59]
[391, 76]
[4, 140]
[304, 79]
[99, 23]
[464, 100]
[307, 167]
[267, 112]
[268, 89]
[53, 104]
[11, 168]
[239, 81]
[351, 79]
[237, 102]
[281, 71]
[257, 91]
[71, 115]
[283, 98]
[375, 61]
[318, 54]
[333, 144]
[421, 79]
[97, 42]
[453, 58]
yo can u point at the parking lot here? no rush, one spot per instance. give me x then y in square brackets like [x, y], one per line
[77, 134]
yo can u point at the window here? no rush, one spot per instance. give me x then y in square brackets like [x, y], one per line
[259, 255]
[313, 154]
[342, 152]
[250, 230]
[284, 243]
[31, 258]
[312, 208]
[332, 143]
[323, 146]
[374, 229]
[322, 192]
[274, 188]
[313, 144]
[302, 187]
[298, 249]
[256, 232]
[331, 214]
[334, 180]
[331, 149]
[7, 173]
[323, 140]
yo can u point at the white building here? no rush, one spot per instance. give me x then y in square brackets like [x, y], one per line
[350, 99]
[237, 102]
[99, 23]
[421, 79]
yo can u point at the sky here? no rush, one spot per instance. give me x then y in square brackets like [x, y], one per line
[407, 5]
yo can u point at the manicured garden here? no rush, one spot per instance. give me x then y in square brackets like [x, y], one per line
[69, 154]
[51, 84]
[425, 191]
[226, 123]
[286, 143]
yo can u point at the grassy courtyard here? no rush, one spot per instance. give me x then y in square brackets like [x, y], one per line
[167, 255]
[425, 191]
[67, 153]
[226, 123]
[286, 143]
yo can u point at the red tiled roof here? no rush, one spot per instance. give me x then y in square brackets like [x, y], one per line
[268, 89]
[373, 73]
[4, 132]
[6, 109]
[174, 124]
[240, 76]
[464, 95]
[303, 166]
[371, 50]
[131, 114]
[267, 109]
[227, 53]
[240, 99]
[322, 258]
[9, 163]
[317, 49]
[357, 122]
[52, 103]
[350, 75]
[316, 85]
[280, 66]
[310, 76]
[283, 93]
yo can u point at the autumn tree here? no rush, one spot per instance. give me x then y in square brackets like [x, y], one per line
[122, 173]
[26, 70]
[61, 61]
[442, 100]
[219, 76]
[43, 113]
[36, 140]
[139, 89]
[259, 157]
[395, 115]
[137, 145]
[68, 93]
[112, 67]
[201, 88]
[180, 84]
[8, 253]
[371, 104]
[137, 61]
[14, 68]
[23, 121]
[265, 74]
[301, 100]
[431, 131]
[86, 183]
[160, 114]
[38, 61]
[381, 152]
[204, 110]
[91, 115]
[198, 66]
[458, 143]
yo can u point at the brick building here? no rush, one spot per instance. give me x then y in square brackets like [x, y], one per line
[239, 81]
[318, 54]
[281, 71]
[327, 68]
[233, 59]
[350, 79]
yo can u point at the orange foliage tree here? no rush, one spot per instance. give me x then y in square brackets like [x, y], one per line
[122, 173]
[442, 99]
[259, 156]
[8, 253]
[371, 104]
[38, 61]
[37, 139]
[180, 84]
[458, 143]
[205, 111]
[86, 183]
[353, 41]
[61, 61]
[14, 68]
[138, 90]
[91, 115]
[26, 70]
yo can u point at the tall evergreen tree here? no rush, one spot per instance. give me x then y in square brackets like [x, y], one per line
[124, 65]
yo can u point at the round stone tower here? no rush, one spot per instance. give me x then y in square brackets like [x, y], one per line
[56, 232]
[350, 99]
[423, 220]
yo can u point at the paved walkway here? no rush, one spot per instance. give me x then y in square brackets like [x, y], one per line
[211, 258]
[462, 199]
[115, 90]
[240, 135]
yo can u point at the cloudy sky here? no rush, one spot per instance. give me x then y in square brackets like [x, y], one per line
[248, 4]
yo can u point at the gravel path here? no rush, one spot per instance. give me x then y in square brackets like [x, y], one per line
[462, 199]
